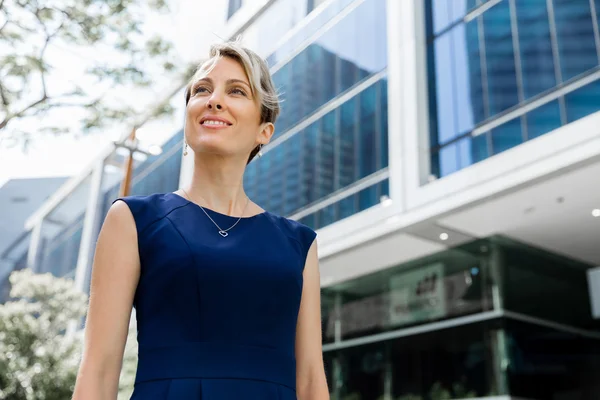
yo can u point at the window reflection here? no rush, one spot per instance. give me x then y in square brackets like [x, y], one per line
[550, 364]
[273, 24]
[337, 60]
[442, 286]
[312, 25]
[543, 119]
[575, 36]
[345, 145]
[507, 136]
[348, 206]
[362, 371]
[583, 101]
[472, 73]
[458, 82]
[500, 60]
[446, 12]
[61, 230]
[448, 364]
[535, 47]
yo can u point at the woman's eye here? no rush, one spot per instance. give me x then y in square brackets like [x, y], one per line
[200, 89]
[238, 91]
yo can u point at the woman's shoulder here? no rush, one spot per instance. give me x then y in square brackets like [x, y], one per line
[147, 209]
[294, 229]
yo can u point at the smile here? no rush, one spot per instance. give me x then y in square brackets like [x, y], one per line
[210, 122]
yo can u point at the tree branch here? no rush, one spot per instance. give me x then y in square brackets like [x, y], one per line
[23, 111]
[49, 36]
[3, 95]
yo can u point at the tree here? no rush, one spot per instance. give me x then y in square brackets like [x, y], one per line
[31, 31]
[38, 360]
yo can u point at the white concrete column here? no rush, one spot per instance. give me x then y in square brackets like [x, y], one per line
[90, 225]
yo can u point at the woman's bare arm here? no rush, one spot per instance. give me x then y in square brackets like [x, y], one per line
[311, 383]
[115, 276]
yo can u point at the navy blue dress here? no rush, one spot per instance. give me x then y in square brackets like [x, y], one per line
[216, 316]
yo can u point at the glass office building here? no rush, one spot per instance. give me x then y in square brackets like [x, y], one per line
[480, 320]
[505, 72]
[422, 139]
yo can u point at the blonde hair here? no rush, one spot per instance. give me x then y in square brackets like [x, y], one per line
[258, 74]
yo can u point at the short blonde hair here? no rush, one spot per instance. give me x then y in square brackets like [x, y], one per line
[259, 77]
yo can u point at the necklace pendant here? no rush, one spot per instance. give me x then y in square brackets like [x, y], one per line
[223, 233]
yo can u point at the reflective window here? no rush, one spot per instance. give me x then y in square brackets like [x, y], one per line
[456, 59]
[445, 285]
[551, 364]
[233, 6]
[264, 33]
[333, 63]
[457, 363]
[535, 47]
[286, 46]
[446, 12]
[362, 371]
[312, 4]
[162, 176]
[499, 59]
[61, 233]
[348, 206]
[558, 284]
[496, 357]
[583, 101]
[473, 77]
[575, 36]
[543, 119]
[345, 145]
[449, 159]
[507, 136]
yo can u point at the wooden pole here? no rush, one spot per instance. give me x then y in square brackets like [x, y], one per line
[128, 168]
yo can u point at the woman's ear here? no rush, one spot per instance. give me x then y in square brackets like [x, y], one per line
[266, 132]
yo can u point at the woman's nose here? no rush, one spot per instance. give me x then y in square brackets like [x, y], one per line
[215, 101]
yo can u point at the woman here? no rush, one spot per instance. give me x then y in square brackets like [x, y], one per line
[227, 295]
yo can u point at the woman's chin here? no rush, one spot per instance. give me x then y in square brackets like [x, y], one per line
[213, 150]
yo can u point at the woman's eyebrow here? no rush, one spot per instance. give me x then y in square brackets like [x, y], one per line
[238, 81]
[229, 81]
[206, 79]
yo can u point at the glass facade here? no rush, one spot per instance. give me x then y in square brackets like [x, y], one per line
[435, 288]
[487, 60]
[233, 6]
[14, 258]
[324, 153]
[61, 233]
[487, 318]
[332, 64]
[264, 34]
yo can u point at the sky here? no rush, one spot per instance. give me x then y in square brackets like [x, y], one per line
[192, 25]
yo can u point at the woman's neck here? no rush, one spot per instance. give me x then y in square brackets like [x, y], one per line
[218, 186]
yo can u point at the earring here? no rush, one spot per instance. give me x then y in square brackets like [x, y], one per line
[260, 154]
[185, 152]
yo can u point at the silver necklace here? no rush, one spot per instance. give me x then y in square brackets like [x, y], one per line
[222, 232]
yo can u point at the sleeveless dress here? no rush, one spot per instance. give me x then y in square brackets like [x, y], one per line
[216, 315]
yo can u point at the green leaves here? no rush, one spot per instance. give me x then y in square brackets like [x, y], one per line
[122, 60]
[37, 360]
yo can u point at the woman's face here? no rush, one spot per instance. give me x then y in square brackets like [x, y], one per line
[222, 115]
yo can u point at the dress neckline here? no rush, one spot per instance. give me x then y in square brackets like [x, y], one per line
[216, 212]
